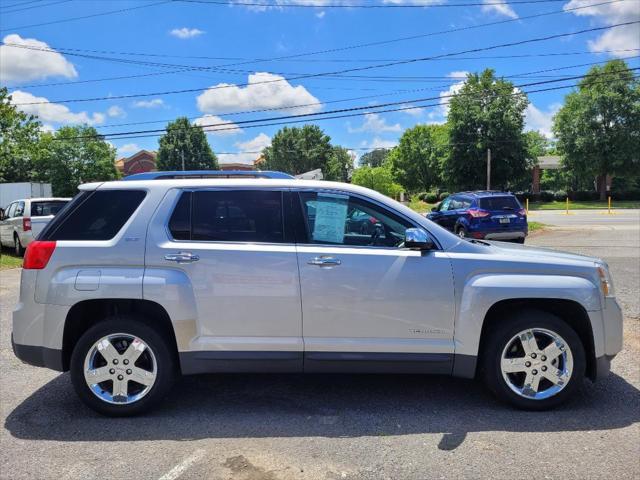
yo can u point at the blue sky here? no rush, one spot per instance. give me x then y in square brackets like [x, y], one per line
[46, 65]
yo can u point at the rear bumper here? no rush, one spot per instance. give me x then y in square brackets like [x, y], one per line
[39, 356]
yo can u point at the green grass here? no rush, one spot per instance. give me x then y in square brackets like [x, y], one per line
[533, 226]
[582, 205]
[9, 260]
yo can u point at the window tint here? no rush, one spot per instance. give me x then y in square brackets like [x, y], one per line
[337, 219]
[41, 209]
[445, 205]
[96, 216]
[180, 222]
[499, 203]
[237, 216]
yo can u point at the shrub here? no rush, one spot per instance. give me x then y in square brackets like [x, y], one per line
[559, 195]
[444, 195]
[584, 195]
[630, 194]
[546, 196]
[431, 197]
[522, 196]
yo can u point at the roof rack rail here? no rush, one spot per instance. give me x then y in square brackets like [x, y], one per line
[208, 174]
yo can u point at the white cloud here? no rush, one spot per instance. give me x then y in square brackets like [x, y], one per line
[155, 103]
[248, 151]
[413, 111]
[19, 65]
[265, 90]
[221, 128]
[619, 38]
[445, 96]
[378, 142]
[184, 33]
[128, 148]
[376, 124]
[499, 7]
[539, 120]
[320, 14]
[53, 112]
[115, 111]
[462, 74]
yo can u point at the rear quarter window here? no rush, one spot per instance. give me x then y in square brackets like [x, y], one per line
[43, 209]
[95, 215]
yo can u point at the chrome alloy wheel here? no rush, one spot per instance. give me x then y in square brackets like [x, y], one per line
[536, 363]
[120, 368]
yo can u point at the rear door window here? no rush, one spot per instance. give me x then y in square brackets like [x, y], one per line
[229, 216]
[43, 209]
[499, 203]
[96, 215]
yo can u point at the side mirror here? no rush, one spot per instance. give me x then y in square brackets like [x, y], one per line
[418, 239]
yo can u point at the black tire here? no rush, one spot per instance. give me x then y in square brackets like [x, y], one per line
[497, 341]
[461, 231]
[17, 246]
[519, 240]
[136, 326]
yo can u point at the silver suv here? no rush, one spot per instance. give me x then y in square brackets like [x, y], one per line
[137, 281]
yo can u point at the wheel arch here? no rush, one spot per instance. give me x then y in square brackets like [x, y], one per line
[87, 313]
[570, 311]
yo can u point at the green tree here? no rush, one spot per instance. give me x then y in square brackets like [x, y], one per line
[340, 165]
[297, 150]
[537, 144]
[487, 113]
[187, 142]
[375, 158]
[417, 160]
[598, 128]
[377, 178]
[19, 136]
[74, 155]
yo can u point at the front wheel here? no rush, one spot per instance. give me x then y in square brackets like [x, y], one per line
[534, 360]
[122, 367]
[18, 248]
[462, 232]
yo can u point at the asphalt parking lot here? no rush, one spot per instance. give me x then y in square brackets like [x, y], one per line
[276, 427]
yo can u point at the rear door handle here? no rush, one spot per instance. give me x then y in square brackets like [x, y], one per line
[324, 262]
[182, 257]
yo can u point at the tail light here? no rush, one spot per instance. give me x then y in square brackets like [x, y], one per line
[373, 220]
[477, 213]
[38, 254]
[522, 212]
[26, 224]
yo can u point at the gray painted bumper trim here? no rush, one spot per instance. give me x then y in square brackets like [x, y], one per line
[39, 356]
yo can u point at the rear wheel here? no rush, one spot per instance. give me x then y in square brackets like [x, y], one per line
[534, 360]
[461, 232]
[519, 240]
[122, 367]
[18, 248]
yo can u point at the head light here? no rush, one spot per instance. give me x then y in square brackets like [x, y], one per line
[606, 283]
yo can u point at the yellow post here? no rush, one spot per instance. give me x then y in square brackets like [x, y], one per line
[567, 205]
[609, 204]
[527, 205]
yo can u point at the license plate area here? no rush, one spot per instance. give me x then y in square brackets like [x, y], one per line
[505, 220]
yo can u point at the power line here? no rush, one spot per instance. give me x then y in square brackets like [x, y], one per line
[245, 3]
[355, 69]
[36, 6]
[19, 4]
[93, 15]
[304, 105]
[348, 112]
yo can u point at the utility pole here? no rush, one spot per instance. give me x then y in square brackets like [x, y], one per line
[182, 155]
[488, 169]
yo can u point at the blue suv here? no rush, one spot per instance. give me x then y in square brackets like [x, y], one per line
[483, 214]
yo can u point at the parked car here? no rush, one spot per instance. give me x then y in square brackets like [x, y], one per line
[142, 279]
[483, 214]
[23, 219]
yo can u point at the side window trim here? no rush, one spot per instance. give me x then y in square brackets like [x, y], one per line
[288, 241]
[363, 198]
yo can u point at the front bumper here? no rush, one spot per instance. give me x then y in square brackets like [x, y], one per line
[505, 235]
[39, 356]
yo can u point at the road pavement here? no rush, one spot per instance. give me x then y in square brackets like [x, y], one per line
[277, 427]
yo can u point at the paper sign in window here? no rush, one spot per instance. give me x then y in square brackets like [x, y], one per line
[331, 215]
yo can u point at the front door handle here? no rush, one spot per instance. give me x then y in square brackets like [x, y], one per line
[182, 257]
[324, 262]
